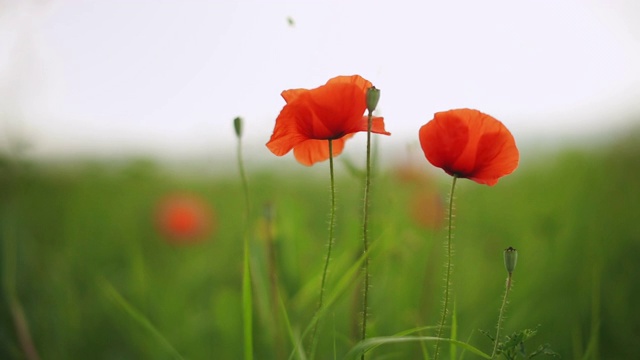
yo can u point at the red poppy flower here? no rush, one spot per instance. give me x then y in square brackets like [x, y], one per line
[333, 111]
[184, 218]
[469, 144]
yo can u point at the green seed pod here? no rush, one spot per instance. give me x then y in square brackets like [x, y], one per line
[510, 259]
[373, 95]
[237, 126]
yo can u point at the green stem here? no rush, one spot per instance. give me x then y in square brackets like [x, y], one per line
[365, 237]
[9, 248]
[273, 277]
[245, 183]
[327, 259]
[501, 316]
[247, 304]
[449, 266]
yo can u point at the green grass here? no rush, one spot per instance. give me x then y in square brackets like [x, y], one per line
[572, 215]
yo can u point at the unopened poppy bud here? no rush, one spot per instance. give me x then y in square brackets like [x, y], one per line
[373, 95]
[237, 126]
[510, 259]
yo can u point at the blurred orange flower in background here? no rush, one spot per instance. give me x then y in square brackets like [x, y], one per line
[428, 210]
[333, 111]
[426, 206]
[469, 144]
[184, 218]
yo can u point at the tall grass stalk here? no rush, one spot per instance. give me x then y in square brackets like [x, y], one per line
[449, 269]
[247, 296]
[327, 260]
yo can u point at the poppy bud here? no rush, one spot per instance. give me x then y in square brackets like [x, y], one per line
[510, 259]
[237, 125]
[373, 95]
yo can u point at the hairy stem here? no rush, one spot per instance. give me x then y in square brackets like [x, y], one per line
[365, 236]
[501, 316]
[449, 266]
[330, 241]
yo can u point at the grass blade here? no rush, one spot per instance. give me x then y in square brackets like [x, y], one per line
[138, 317]
[368, 344]
[342, 285]
[295, 340]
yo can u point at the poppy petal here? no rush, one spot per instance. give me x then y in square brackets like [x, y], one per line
[337, 108]
[497, 156]
[292, 94]
[357, 80]
[443, 139]
[377, 125]
[286, 133]
[310, 152]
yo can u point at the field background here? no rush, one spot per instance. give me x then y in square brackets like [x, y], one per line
[96, 280]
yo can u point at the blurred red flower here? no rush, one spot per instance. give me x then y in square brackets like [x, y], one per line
[333, 111]
[469, 144]
[184, 218]
[410, 174]
[428, 210]
[425, 204]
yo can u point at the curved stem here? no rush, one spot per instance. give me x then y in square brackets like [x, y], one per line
[329, 247]
[365, 237]
[449, 265]
[501, 316]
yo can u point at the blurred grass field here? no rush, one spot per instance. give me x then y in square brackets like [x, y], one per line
[96, 280]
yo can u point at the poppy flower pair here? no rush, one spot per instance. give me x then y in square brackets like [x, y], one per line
[463, 142]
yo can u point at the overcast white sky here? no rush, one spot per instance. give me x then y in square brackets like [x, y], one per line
[168, 77]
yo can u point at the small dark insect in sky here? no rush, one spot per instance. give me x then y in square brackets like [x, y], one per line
[290, 21]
